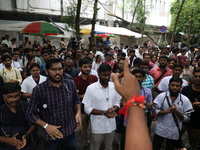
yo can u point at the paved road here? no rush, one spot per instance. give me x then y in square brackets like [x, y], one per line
[79, 145]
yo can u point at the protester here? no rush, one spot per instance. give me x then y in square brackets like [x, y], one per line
[101, 101]
[96, 63]
[177, 70]
[59, 106]
[82, 82]
[69, 69]
[135, 138]
[9, 73]
[15, 129]
[26, 71]
[32, 81]
[140, 76]
[193, 126]
[158, 73]
[172, 108]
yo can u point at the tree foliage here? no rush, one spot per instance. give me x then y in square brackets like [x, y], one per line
[189, 19]
[71, 10]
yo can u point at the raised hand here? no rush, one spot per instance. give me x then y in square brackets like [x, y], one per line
[129, 86]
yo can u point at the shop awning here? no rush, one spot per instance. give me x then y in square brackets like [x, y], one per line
[85, 29]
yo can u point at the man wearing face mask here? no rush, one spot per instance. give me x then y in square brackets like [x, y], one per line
[14, 128]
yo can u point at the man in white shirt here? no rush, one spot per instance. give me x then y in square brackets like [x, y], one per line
[7, 41]
[95, 52]
[139, 53]
[32, 81]
[167, 106]
[177, 70]
[101, 100]
[9, 73]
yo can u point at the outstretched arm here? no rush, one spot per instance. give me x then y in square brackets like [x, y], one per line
[137, 136]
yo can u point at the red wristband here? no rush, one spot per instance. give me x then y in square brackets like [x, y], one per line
[134, 101]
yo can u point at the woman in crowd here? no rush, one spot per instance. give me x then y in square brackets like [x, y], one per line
[97, 63]
[109, 59]
[187, 70]
[154, 60]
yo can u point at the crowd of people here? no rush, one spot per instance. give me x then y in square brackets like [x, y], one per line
[69, 89]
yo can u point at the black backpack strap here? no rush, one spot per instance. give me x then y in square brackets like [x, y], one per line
[174, 117]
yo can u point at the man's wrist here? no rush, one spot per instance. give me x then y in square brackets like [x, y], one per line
[103, 112]
[45, 126]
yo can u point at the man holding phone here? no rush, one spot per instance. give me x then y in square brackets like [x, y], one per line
[193, 126]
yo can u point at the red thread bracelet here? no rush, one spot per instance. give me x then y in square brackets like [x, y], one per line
[134, 101]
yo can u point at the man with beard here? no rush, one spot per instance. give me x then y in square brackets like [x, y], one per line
[23, 62]
[193, 126]
[78, 58]
[172, 108]
[120, 65]
[45, 57]
[144, 91]
[32, 81]
[69, 69]
[14, 128]
[177, 70]
[101, 100]
[59, 107]
[158, 73]
[9, 73]
[82, 82]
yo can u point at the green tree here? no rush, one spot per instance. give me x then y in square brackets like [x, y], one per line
[95, 10]
[188, 21]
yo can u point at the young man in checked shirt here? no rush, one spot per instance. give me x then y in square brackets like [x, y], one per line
[59, 107]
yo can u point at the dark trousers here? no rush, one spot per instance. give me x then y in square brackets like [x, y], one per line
[122, 146]
[67, 143]
[158, 140]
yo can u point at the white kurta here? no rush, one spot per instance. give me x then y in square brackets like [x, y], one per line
[95, 98]
[28, 84]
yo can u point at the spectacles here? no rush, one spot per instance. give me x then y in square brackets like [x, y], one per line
[13, 96]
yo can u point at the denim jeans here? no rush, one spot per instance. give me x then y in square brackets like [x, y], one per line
[67, 143]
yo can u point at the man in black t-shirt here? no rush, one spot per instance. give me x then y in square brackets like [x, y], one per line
[193, 126]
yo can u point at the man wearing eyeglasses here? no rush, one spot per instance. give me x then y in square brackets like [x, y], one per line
[14, 128]
[69, 69]
[193, 126]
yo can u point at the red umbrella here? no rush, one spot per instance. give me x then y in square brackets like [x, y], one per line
[41, 28]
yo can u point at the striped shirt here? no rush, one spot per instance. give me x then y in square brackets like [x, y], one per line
[56, 106]
[149, 82]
